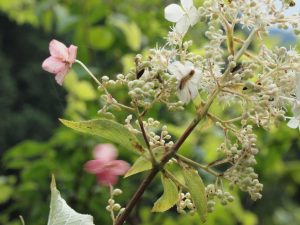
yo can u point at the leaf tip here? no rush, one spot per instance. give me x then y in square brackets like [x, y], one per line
[53, 182]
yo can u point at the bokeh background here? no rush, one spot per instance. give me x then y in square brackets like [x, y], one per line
[33, 144]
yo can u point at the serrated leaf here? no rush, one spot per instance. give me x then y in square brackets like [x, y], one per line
[62, 214]
[169, 197]
[108, 129]
[143, 163]
[197, 190]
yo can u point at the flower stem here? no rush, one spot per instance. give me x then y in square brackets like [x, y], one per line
[89, 72]
[197, 165]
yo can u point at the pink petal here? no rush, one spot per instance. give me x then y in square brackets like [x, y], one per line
[94, 166]
[53, 65]
[117, 167]
[105, 152]
[107, 178]
[58, 50]
[60, 77]
[72, 50]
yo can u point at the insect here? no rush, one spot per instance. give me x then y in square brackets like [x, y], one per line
[186, 78]
[292, 3]
[140, 73]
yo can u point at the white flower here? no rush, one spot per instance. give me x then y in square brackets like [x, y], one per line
[188, 78]
[184, 16]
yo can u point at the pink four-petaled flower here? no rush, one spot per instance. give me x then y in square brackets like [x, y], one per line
[60, 61]
[105, 165]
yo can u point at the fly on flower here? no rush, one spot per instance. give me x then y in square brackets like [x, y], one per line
[188, 78]
[184, 16]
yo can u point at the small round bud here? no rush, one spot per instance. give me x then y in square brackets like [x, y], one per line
[116, 207]
[117, 192]
[111, 201]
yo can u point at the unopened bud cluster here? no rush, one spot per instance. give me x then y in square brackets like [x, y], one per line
[114, 207]
[214, 193]
[185, 204]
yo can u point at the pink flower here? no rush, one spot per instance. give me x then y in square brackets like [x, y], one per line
[60, 61]
[105, 165]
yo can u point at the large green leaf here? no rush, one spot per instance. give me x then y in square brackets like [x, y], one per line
[197, 190]
[62, 214]
[169, 197]
[107, 129]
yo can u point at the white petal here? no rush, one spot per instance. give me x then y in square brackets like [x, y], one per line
[293, 123]
[187, 4]
[189, 64]
[182, 25]
[296, 109]
[196, 78]
[193, 90]
[193, 16]
[184, 95]
[173, 13]
[298, 87]
[177, 69]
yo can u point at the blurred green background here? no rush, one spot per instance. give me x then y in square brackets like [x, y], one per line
[33, 144]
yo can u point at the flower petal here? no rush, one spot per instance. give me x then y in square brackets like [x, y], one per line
[187, 4]
[118, 167]
[183, 25]
[184, 95]
[60, 77]
[177, 69]
[193, 90]
[105, 152]
[173, 13]
[293, 123]
[58, 50]
[193, 15]
[106, 178]
[94, 166]
[72, 50]
[53, 65]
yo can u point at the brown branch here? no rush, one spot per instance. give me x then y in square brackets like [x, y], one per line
[200, 115]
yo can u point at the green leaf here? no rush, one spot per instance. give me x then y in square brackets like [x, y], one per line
[100, 37]
[62, 214]
[140, 165]
[131, 31]
[197, 190]
[169, 197]
[143, 163]
[108, 129]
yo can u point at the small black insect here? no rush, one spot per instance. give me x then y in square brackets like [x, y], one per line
[140, 73]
